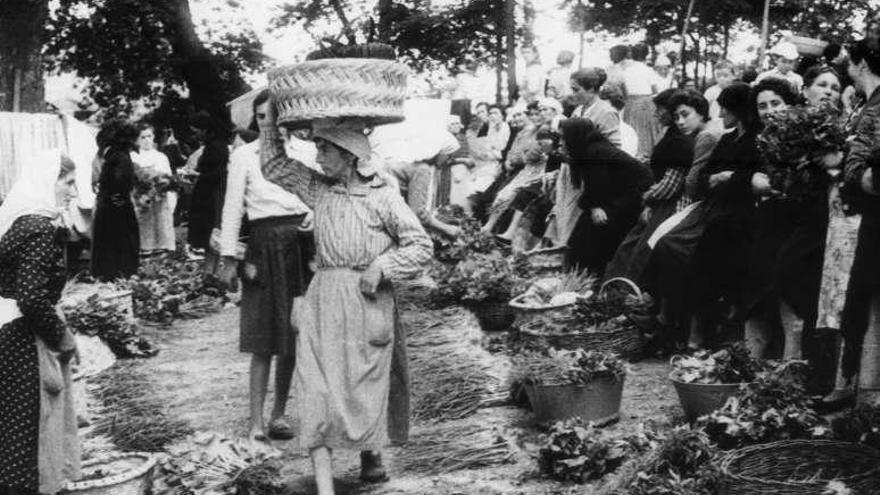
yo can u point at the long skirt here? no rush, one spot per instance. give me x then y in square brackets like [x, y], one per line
[864, 283]
[785, 261]
[633, 254]
[156, 225]
[345, 356]
[205, 206]
[39, 448]
[840, 252]
[115, 241]
[639, 113]
[591, 246]
[278, 254]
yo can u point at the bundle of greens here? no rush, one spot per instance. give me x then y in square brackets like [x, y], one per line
[470, 241]
[481, 278]
[563, 367]
[579, 453]
[98, 316]
[730, 365]
[795, 143]
[773, 407]
[151, 187]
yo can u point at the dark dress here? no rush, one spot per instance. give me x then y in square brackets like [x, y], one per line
[613, 181]
[115, 238]
[704, 257]
[208, 193]
[674, 151]
[31, 272]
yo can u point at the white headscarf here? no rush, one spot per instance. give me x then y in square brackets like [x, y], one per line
[34, 191]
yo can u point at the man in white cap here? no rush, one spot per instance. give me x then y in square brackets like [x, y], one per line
[785, 56]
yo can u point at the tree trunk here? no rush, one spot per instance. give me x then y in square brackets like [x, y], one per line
[21, 65]
[510, 37]
[726, 41]
[684, 33]
[384, 8]
[197, 65]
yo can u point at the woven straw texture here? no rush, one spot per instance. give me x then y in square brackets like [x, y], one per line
[801, 467]
[135, 479]
[371, 90]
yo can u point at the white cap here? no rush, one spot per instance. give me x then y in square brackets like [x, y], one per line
[662, 61]
[786, 50]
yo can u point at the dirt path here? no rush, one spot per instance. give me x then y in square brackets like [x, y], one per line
[202, 378]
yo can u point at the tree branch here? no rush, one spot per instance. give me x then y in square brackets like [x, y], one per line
[346, 24]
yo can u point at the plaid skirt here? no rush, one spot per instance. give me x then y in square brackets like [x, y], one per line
[275, 270]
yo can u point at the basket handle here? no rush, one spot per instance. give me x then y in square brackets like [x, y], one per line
[632, 285]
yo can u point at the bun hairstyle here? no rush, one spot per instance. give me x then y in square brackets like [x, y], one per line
[736, 99]
[779, 86]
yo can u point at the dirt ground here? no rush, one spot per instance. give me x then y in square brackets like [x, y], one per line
[202, 377]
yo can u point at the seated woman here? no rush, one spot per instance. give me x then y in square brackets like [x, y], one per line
[670, 162]
[611, 200]
[701, 260]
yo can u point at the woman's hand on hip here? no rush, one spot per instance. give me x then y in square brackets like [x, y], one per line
[370, 279]
[598, 216]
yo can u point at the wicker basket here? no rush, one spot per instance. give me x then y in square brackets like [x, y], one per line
[626, 341]
[135, 479]
[369, 90]
[808, 46]
[801, 467]
[548, 258]
[493, 317]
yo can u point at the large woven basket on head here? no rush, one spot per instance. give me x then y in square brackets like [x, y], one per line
[367, 89]
[115, 474]
[802, 467]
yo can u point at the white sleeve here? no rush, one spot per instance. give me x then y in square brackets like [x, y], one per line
[233, 204]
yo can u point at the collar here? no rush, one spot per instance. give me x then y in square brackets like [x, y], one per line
[370, 179]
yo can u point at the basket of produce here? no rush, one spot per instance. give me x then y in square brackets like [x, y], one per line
[802, 467]
[114, 474]
[599, 322]
[808, 46]
[564, 384]
[493, 316]
[550, 294]
[369, 90]
[706, 380]
[547, 258]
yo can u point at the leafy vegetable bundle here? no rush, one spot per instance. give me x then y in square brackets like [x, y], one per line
[150, 187]
[603, 312]
[729, 365]
[562, 367]
[795, 143]
[490, 277]
[98, 316]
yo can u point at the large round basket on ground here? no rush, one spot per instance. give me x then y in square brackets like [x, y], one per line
[115, 474]
[547, 259]
[597, 401]
[369, 90]
[698, 399]
[619, 335]
[802, 467]
[493, 316]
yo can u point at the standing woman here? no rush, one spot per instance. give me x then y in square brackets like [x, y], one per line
[39, 448]
[640, 82]
[157, 222]
[350, 356]
[115, 237]
[861, 325]
[210, 187]
[612, 183]
[585, 86]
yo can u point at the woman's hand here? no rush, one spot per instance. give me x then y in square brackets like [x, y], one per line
[227, 273]
[761, 185]
[645, 217]
[370, 279]
[716, 180]
[832, 161]
[598, 216]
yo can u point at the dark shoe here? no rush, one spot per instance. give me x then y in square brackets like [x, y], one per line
[837, 400]
[280, 429]
[372, 470]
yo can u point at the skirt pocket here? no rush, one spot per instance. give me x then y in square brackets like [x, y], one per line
[379, 320]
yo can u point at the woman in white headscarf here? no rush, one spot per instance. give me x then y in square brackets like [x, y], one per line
[38, 444]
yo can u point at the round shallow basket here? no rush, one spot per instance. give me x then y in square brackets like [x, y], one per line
[808, 46]
[526, 313]
[493, 317]
[133, 475]
[626, 341]
[597, 401]
[801, 467]
[369, 90]
[699, 399]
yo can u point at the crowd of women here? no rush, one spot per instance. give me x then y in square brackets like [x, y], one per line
[689, 212]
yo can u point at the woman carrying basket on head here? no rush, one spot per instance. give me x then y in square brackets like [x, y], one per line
[366, 237]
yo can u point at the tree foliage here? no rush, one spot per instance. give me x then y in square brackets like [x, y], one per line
[135, 51]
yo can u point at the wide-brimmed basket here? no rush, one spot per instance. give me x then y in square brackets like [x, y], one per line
[801, 467]
[367, 89]
[626, 341]
[597, 401]
[699, 399]
[135, 478]
[808, 46]
[493, 316]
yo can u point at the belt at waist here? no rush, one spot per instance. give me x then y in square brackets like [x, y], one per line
[274, 221]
